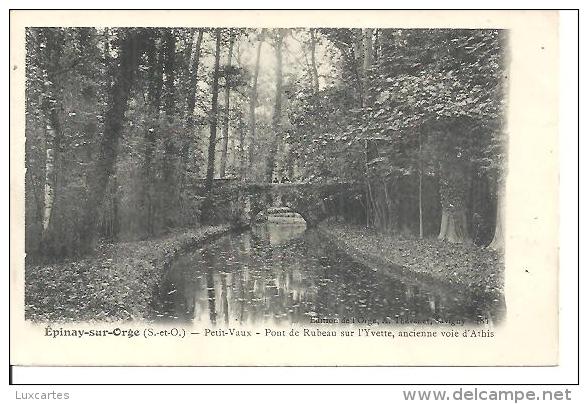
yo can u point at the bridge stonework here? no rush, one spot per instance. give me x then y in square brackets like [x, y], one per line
[314, 202]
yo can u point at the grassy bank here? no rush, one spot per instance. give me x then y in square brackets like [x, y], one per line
[115, 283]
[466, 265]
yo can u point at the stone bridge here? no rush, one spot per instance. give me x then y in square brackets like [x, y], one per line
[243, 201]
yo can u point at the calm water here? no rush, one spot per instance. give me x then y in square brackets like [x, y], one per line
[285, 274]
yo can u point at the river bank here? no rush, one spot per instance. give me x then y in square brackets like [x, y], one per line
[462, 265]
[115, 283]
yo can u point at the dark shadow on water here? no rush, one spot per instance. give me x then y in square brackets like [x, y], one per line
[285, 274]
[210, 291]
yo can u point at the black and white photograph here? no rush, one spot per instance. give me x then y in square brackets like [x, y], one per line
[272, 175]
[205, 188]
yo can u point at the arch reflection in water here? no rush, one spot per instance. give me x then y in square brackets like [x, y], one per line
[284, 274]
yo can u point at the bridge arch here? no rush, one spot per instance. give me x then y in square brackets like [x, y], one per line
[314, 202]
[240, 202]
[281, 215]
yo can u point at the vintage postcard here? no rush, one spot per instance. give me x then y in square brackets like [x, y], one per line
[324, 188]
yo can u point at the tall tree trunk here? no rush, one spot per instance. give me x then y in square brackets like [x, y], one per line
[190, 103]
[363, 48]
[453, 190]
[370, 208]
[368, 50]
[421, 232]
[241, 158]
[315, 80]
[187, 57]
[154, 91]
[277, 115]
[53, 138]
[169, 195]
[225, 144]
[131, 48]
[53, 135]
[49, 193]
[377, 44]
[190, 78]
[498, 239]
[253, 103]
[358, 61]
[170, 74]
[213, 114]
[193, 81]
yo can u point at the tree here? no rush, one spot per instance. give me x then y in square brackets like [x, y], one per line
[213, 113]
[241, 150]
[155, 88]
[445, 84]
[421, 231]
[253, 100]
[116, 118]
[192, 85]
[131, 48]
[193, 79]
[315, 80]
[277, 114]
[227, 73]
[53, 47]
[368, 51]
[454, 188]
[497, 242]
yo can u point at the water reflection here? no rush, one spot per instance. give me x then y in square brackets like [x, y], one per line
[286, 274]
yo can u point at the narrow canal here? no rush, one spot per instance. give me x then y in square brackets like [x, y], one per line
[287, 274]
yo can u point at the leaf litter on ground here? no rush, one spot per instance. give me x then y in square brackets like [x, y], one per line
[115, 283]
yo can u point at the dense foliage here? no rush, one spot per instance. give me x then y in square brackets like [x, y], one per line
[123, 125]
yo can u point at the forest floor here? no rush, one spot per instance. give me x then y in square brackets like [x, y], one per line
[462, 265]
[117, 282]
